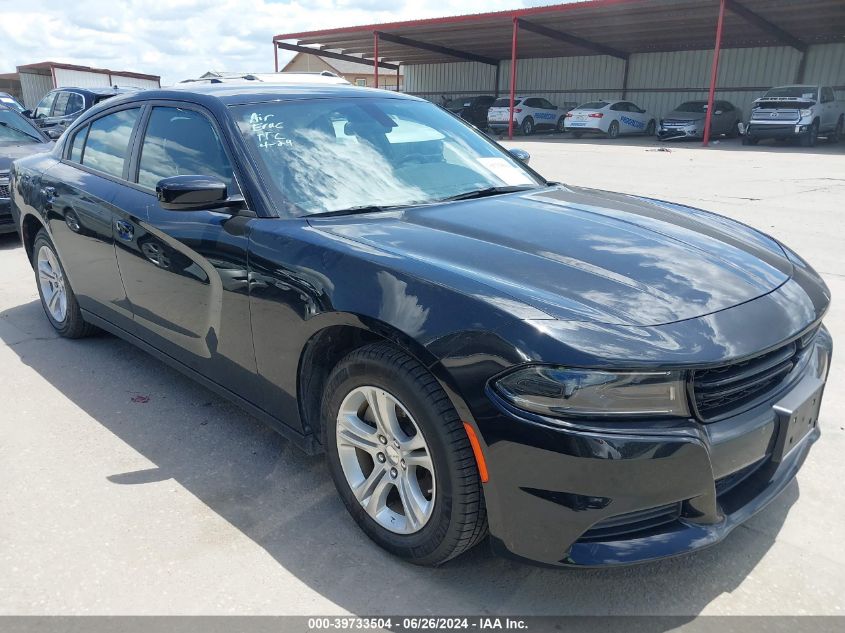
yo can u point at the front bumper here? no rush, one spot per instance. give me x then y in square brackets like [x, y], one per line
[776, 131]
[678, 132]
[574, 497]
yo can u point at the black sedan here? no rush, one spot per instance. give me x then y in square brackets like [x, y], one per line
[472, 109]
[594, 378]
[18, 138]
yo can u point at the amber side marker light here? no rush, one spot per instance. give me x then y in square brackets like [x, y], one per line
[476, 449]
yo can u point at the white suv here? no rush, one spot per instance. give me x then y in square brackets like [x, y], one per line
[529, 113]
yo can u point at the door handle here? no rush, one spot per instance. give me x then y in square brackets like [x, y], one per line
[125, 230]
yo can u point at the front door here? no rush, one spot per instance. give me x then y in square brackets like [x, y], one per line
[185, 272]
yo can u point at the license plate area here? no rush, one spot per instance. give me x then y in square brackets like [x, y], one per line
[798, 415]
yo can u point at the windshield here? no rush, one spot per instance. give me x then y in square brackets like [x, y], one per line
[699, 107]
[593, 105]
[15, 129]
[328, 155]
[9, 102]
[798, 92]
[505, 103]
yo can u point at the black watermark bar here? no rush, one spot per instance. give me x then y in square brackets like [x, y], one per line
[405, 623]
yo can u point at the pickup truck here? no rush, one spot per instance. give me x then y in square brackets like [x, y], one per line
[796, 112]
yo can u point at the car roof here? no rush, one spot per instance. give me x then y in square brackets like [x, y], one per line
[258, 92]
[105, 90]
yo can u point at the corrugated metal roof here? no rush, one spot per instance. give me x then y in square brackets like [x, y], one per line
[629, 26]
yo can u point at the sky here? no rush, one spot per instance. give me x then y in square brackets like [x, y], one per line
[181, 39]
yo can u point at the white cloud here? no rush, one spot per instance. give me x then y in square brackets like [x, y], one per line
[178, 39]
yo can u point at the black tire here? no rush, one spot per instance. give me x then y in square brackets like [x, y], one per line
[577, 134]
[458, 520]
[734, 130]
[811, 136]
[561, 125]
[651, 128]
[527, 126]
[73, 325]
[613, 130]
[836, 135]
[750, 140]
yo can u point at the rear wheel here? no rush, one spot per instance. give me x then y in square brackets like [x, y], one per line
[561, 125]
[613, 130]
[57, 296]
[577, 134]
[651, 128]
[400, 457]
[528, 126]
[733, 132]
[749, 140]
[836, 136]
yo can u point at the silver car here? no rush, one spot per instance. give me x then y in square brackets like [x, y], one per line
[687, 121]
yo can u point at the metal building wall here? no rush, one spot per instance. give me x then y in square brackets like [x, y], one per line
[135, 82]
[34, 87]
[656, 81]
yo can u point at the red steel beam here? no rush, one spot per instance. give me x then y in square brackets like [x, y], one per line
[714, 73]
[513, 74]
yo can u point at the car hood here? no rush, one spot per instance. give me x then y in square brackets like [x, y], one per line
[586, 255]
[13, 151]
[686, 116]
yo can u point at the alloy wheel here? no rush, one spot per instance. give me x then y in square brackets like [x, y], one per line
[52, 283]
[385, 460]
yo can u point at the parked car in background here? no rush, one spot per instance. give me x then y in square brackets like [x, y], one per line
[472, 109]
[18, 138]
[600, 378]
[613, 118]
[689, 118]
[530, 113]
[60, 107]
[800, 112]
[10, 102]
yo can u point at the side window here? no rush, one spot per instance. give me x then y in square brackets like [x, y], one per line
[532, 103]
[827, 95]
[61, 103]
[619, 107]
[75, 103]
[77, 145]
[181, 143]
[107, 146]
[43, 108]
[548, 105]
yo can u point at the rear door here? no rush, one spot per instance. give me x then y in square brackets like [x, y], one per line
[185, 272]
[78, 194]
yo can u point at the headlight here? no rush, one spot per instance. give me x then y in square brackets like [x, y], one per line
[806, 113]
[565, 392]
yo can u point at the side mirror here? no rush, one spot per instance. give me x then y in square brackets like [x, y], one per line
[27, 114]
[194, 193]
[520, 155]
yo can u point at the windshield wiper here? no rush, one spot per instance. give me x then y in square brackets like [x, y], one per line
[489, 191]
[367, 208]
[25, 133]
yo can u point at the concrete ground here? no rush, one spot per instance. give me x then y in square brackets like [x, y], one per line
[179, 503]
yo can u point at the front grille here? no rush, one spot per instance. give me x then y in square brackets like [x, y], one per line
[4, 185]
[631, 524]
[728, 389]
[677, 122]
[774, 115]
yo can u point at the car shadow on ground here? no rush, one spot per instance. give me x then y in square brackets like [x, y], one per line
[285, 501]
[9, 241]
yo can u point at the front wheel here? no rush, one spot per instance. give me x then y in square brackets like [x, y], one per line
[811, 135]
[613, 130]
[400, 457]
[651, 128]
[57, 296]
[838, 132]
[528, 126]
[733, 131]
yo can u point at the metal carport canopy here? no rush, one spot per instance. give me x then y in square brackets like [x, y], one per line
[592, 27]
